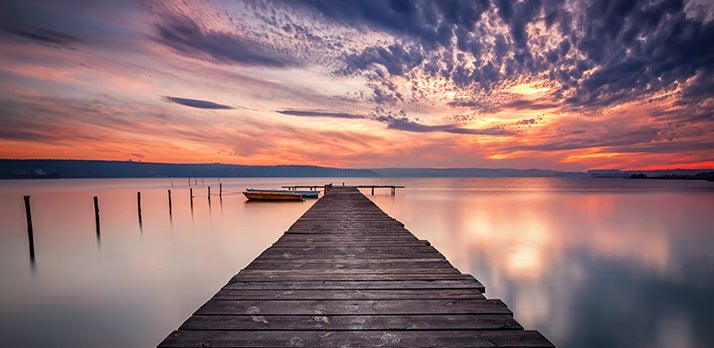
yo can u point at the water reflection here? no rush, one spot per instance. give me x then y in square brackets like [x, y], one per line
[590, 263]
[588, 267]
[136, 288]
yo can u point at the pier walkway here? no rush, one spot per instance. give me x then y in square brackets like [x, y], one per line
[347, 275]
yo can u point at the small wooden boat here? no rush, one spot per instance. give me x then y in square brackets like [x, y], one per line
[272, 196]
[305, 194]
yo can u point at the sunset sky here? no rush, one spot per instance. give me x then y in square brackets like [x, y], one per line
[567, 85]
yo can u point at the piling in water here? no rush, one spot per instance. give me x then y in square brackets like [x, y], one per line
[170, 210]
[30, 233]
[96, 216]
[138, 205]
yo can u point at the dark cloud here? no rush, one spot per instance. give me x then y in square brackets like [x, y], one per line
[518, 15]
[186, 37]
[638, 48]
[402, 123]
[311, 113]
[44, 36]
[607, 53]
[527, 122]
[397, 59]
[197, 103]
[429, 22]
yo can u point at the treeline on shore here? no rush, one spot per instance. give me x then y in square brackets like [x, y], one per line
[709, 176]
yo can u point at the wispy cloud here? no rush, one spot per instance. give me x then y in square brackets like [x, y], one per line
[185, 36]
[411, 126]
[312, 113]
[197, 103]
[44, 36]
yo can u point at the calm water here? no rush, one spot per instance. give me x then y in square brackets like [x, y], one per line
[588, 262]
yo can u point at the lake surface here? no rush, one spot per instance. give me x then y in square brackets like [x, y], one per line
[588, 262]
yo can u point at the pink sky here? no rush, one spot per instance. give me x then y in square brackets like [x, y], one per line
[563, 85]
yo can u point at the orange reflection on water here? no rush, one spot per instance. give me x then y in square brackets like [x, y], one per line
[541, 245]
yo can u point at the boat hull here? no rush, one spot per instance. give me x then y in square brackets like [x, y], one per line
[305, 194]
[272, 196]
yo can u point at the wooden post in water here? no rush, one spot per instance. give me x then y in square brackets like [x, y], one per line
[220, 189]
[138, 205]
[394, 190]
[170, 210]
[209, 192]
[30, 232]
[190, 194]
[96, 217]
[372, 190]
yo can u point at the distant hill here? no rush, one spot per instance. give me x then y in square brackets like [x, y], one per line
[34, 169]
[471, 172]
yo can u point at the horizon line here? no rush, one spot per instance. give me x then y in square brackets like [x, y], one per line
[585, 171]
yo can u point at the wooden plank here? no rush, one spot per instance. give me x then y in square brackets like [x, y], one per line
[360, 338]
[348, 271]
[351, 294]
[348, 243]
[384, 262]
[352, 285]
[361, 277]
[376, 267]
[353, 307]
[353, 322]
[346, 255]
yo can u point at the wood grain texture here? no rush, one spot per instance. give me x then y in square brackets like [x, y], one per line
[347, 275]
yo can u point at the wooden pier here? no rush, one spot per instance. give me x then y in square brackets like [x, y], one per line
[347, 275]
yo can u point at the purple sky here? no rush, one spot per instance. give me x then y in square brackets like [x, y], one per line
[553, 84]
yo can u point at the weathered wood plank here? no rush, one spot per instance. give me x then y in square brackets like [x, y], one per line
[353, 307]
[352, 285]
[351, 294]
[361, 338]
[346, 255]
[348, 271]
[327, 265]
[361, 277]
[353, 322]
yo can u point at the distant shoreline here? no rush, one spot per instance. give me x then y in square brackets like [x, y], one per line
[97, 169]
[708, 176]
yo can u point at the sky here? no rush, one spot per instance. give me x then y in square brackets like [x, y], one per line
[550, 84]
